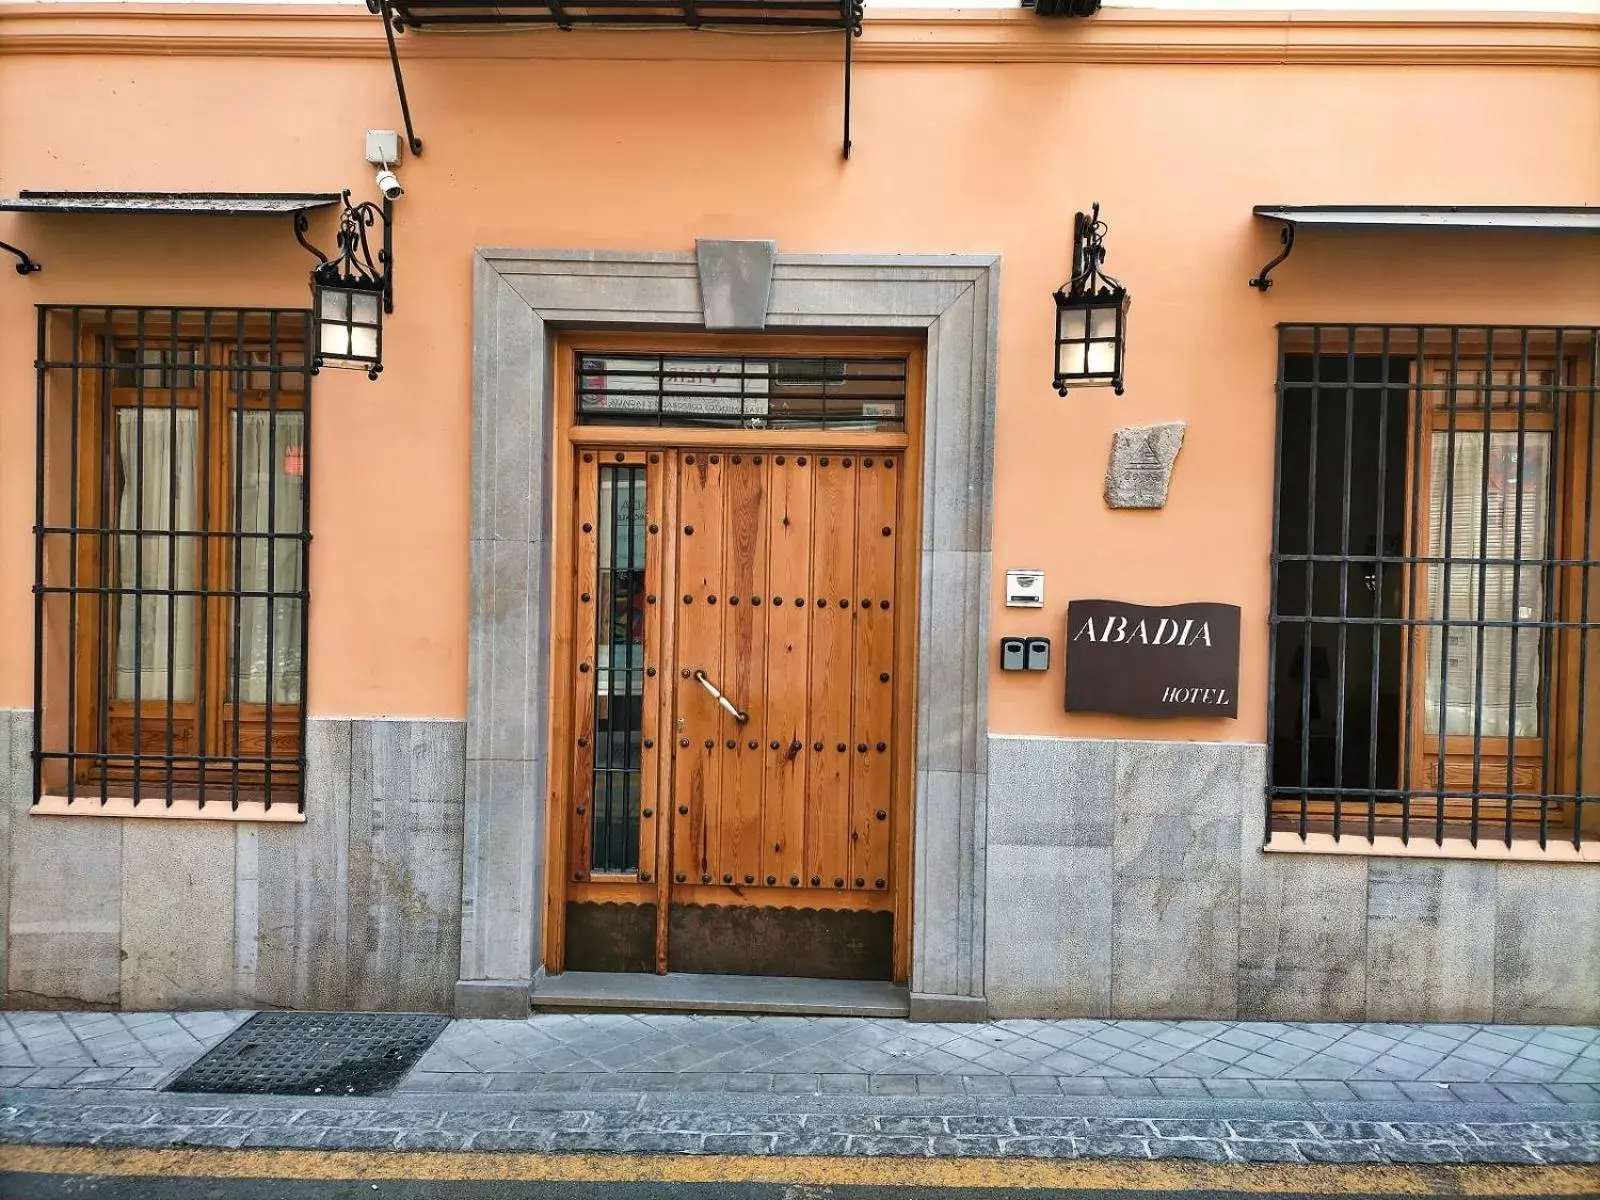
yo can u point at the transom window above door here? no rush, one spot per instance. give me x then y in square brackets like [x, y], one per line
[742, 391]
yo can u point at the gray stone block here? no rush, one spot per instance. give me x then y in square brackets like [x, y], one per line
[1302, 932]
[16, 797]
[1175, 855]
[926, 1006]
[493, 999]
[1049, 943]
[407, 783]
[509, 602]
[1047, 791]
[1427, 956]
[503, 862]
[735, 282]
[1140, 470]
[1547, 944]
[177, 914]
[301, 923]
[66, 912]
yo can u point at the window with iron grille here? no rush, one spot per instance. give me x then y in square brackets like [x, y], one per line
[1435, 612]
[171, 537]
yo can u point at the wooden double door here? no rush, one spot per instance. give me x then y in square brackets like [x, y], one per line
[734, 798]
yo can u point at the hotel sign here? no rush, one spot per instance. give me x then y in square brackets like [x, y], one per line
[1181, 660]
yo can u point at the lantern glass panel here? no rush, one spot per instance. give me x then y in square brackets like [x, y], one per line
[364, 307]
[1103, 322]
[334, 340]
[334, 306]
[1102, 358]
[1073, 326]
[364, 343]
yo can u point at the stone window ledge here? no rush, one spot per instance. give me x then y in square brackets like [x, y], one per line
[1486, 850]
[152, 805]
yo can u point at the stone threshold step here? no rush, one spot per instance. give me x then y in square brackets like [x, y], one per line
[679, 992]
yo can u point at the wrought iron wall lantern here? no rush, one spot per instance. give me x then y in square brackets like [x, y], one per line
[1091, 314]
[351, 292]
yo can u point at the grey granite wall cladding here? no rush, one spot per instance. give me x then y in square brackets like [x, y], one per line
[357, 908]
[1126, 878]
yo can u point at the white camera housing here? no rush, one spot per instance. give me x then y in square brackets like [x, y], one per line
[389, 184]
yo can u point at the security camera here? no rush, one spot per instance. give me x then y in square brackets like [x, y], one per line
[389, 184]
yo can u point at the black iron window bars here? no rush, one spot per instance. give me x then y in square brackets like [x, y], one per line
[844, 16]
[1435, 597]
[171, 545]
[742, 391]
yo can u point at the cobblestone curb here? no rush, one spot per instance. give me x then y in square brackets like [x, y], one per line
[639, 1131]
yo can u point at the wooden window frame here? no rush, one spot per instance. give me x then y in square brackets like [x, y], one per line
[1442, 400]
[237, 776]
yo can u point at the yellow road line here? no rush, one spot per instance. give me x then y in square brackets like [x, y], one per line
[1264, 1179]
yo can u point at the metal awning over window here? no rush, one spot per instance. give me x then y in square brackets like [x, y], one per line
[209, 204]
[840, 16]
[215, 204]
[1420, 218]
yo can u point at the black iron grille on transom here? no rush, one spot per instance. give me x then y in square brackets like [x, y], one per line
[313, 1054]
[170, 571]
[742, 391]
[1435, 610]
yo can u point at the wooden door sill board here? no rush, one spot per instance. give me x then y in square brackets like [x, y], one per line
[679, 992]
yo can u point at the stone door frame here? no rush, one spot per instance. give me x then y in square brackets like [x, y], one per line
[520, 297]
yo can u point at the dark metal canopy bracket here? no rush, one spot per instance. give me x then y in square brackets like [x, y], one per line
[382, 8]
[25, 265]
[1261, 283]
[802, 14]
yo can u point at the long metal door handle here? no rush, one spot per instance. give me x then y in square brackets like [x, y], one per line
[734, 711]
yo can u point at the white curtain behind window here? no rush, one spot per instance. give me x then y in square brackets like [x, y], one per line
[271, 467]
[157, 478]
[1509, 593]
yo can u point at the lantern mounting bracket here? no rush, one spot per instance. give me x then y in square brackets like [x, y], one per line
[25, 265]
[1261, 283]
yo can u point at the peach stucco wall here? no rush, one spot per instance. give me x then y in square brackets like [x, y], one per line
[957, 156]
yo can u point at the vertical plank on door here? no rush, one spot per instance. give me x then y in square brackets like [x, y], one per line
[744, 629]
[585, 631]
[650, 707]
[872, 775]
[666, 662]
[700, 599]
[788, 654]
[832, 608]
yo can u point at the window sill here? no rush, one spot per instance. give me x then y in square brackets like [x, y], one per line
[154, 807]
[1419, 847]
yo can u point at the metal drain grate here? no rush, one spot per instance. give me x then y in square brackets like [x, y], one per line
[314, 1054]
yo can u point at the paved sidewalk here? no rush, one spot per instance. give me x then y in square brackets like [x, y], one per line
[1216, 1091]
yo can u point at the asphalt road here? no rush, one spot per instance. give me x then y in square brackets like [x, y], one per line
[57, 1173]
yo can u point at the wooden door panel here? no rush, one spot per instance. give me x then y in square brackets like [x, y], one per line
[697, 781]
[744, 630]
[833, 536]
[872, 777]
[788, 654]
